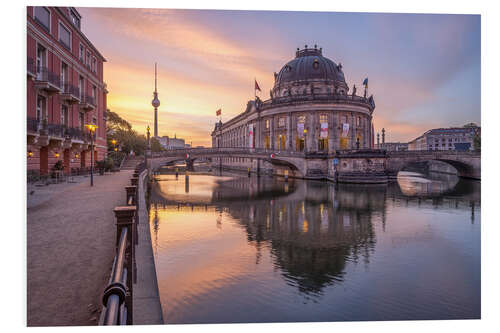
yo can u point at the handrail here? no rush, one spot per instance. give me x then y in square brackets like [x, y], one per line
[117, 297]
[115, 293]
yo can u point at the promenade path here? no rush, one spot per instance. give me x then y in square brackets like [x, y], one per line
[71, 246]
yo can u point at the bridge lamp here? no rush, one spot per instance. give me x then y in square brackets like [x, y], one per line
[30, 153]
[56, 154]
[77, 155]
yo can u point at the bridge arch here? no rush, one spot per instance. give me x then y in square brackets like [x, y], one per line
[464, 169]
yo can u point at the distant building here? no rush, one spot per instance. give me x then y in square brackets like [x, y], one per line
[172, 143]
[453, 138]
[394, 146]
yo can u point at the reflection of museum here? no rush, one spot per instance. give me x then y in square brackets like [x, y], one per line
[310, 109]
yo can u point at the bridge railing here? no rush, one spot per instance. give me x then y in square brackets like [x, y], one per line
[226, 151]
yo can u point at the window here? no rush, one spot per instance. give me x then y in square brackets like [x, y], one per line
[64, 115]
[358, 121]
[94, 92]
[64, 36]
[75, 19]
[301, 119]
[281, 122]
[40, 108]
[323, 118]
[64, 73]
[94, 65]
[344, 119]
[81, 87]
[267, 123]
[82, 53]
[88, 59]
[80, 120]
[42, 16]
[41, 60]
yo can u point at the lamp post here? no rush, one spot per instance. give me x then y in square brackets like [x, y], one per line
[91, 128]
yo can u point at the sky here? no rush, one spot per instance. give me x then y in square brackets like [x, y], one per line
[424, 70]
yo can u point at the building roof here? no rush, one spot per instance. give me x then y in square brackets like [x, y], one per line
[451, 130]
[310, 64]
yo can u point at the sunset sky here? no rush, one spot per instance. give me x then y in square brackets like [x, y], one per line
[424, 70]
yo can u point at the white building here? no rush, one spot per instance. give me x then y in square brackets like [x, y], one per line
[171, 143]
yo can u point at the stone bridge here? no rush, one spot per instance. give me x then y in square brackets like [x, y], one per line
[356, 166]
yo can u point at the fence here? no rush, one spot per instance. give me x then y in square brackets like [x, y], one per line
[118, 294]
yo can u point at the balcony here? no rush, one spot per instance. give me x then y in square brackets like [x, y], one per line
[70, 93]
[47, 80]
[31, 68]
[33, 125]
[87, 103]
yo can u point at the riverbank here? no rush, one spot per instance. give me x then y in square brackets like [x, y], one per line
[70, 249]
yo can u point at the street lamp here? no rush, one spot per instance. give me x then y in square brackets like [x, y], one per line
[91, 128]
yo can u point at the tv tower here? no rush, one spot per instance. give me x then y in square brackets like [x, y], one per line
[156, 104]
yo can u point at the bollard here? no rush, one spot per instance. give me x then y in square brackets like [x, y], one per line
[130, 199]
[134, 181]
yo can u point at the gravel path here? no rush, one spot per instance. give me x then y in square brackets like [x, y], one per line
[71, 240]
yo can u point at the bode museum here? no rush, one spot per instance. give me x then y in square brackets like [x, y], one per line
[310, 109]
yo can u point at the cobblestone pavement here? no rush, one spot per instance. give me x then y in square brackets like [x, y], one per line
[70, 248]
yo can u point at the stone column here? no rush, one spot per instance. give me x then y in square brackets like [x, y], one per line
[331, 131]
[289, 132]
[271, 132]
[310, 132]
[353, 134]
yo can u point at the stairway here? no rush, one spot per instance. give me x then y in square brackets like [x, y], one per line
[131, 162]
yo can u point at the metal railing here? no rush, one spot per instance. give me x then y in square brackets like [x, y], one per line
[88, 99]
[118, 294]
[33, 124]
[315, 97]
[70, 89]
[31, 66]
[46, 75]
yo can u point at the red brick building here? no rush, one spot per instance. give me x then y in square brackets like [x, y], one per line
[65, 91]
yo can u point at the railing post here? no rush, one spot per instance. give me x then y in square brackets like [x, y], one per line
[134, 181]
[125, 218]
[131, 195]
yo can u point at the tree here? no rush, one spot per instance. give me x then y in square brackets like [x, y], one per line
[155, 145]
[477, 142]
[126, 138]
[470, 125]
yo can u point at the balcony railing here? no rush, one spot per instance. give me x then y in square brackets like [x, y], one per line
[31, 66]
[316, 98]
[33, 124]
[59, 130]
[72, 90]
[89, 100]
[45, 75]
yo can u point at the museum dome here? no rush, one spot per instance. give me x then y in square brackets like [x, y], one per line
[309, 64]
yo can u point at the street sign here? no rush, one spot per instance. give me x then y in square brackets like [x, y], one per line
[272, 155]
[187, 156]
[335, 161]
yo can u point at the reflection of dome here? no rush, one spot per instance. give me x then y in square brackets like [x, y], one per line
[309, 64]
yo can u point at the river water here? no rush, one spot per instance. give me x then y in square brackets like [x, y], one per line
[234, 249]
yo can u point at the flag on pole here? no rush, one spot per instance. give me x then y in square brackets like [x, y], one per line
[218, 112]
[365, 83]
[257, 86]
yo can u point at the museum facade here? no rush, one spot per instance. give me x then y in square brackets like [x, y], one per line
[310, 109]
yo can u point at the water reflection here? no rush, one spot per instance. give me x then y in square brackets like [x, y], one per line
[311, 233]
